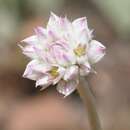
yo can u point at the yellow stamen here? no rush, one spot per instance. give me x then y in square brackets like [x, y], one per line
[54, 71]
[80, 50]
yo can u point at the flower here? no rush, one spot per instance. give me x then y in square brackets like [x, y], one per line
[60, 53]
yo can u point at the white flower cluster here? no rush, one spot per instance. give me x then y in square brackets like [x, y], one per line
[60, 53]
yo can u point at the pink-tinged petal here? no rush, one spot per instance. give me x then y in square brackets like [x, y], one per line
[41, 32]
[53, 27]
[59, 27]
[52, 35]
[29, 51]
[61, 43]
[62, 54]
[71, 73]
[80, 23]
[85, 69]
[30, 73]
[65, 24]
[40, 52]
[33, 51]
[31, 40]
[44, 82]
[53, 22]
[82, 32]
[66, 30]
[66, 88]
[39, 66]
[65, 58]
[68, 58]
[48, 57]
[96, 51]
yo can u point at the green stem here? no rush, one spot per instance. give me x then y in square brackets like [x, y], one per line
[89, 103]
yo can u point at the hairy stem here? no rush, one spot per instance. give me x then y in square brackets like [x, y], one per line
[89, 104]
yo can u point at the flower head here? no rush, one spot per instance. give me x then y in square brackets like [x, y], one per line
[60, 53]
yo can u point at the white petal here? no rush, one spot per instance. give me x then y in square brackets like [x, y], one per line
[63, 55]
[29, 51]
[44, 82]
[31, 40]
[53, 22]
[96, 51]
[65, 25]
[66, 88]
[80, 23]
[84, 36]
[85, 69]
[52, 35]
[39, 66]
[66, 58]
[71, 73]
[41, 32]
[30, 73]
[59, 27]
[53, 27]
[82, 32]
[41, 53]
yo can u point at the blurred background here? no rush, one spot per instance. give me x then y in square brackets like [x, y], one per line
[23, 107]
